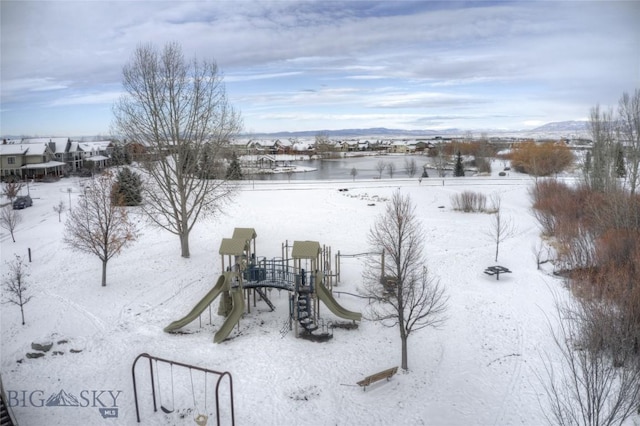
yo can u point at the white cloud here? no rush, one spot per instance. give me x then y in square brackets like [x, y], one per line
[531, 59]
[87, 99]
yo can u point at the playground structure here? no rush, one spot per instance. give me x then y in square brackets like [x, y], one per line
[304, 270]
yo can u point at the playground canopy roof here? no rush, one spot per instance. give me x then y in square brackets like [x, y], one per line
[305, 250]
[233, 246]
[244, 233]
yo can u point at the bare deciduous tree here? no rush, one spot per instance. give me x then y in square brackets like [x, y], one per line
[380, 166]
[324, 146]
[440, 161]
[11, 189]
[59, 208]
[410, 167]
[9, 219]
[98, 225]
[586, 385]
[406, 296]
[179, 111]
[16, 291]
[502, 227]
[391, 168]
[600, 175]
[629, 133]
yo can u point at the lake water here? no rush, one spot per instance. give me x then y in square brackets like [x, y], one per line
[366, 168]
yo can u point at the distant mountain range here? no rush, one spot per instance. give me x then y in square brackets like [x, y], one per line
[555, 127]
[563, 126]
[558, 128]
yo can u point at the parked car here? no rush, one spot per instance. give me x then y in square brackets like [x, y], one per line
[22, 202]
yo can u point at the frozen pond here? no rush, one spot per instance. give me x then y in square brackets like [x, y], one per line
[366, 168]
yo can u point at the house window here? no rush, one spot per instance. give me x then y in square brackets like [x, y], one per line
[11, 160]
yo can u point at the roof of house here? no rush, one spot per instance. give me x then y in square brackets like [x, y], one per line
[11, 149]
[94, 146]
[97, 158]
[46, 165]
[46, 140]
[37, 149]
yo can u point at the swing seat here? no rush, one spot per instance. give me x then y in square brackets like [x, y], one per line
[201, 419]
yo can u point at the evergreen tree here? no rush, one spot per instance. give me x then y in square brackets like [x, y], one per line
[127, 190]
[621, 170]
[459, 170]
[119, 155]
[234, 172]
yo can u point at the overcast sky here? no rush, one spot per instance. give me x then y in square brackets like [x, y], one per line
[297, 65]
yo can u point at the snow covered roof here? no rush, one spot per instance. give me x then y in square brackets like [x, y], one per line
[36, 149]
[94, 146]
[46, 140]
[13, 149]
[97, 158]
[46, 165]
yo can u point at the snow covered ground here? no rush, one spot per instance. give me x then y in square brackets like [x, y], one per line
[479, 369]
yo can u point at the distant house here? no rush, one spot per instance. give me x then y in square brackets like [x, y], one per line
[271, 147]
[72, 154]
[399, 147]
[96, 152]
[29, 160]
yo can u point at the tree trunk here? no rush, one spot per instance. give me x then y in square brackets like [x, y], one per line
[104, 273]
[22, 313]
[405, 362]
[184, 244]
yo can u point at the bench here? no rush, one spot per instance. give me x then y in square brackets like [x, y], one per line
[386, 374]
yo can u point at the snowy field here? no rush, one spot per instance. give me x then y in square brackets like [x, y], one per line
[478, 369]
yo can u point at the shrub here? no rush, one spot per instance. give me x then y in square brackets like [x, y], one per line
[482, 164]
[541, 159]
[469, 201]
[597, 241]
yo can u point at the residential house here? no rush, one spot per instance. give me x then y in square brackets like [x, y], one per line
[29, 160]
[96, 153]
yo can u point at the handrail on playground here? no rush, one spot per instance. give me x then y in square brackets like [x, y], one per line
[220, 375]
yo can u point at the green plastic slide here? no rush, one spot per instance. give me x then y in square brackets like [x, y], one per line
[325, 295]
[232, 319]
[221, 284]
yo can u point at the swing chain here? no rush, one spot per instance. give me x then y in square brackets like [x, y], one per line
[200, 419]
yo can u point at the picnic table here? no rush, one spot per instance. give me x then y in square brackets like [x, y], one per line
[497, 270]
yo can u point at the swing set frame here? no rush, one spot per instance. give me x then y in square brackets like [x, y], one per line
[221, 376]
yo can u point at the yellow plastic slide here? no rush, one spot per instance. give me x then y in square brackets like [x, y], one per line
[221, 284]
[325, 295]
[234, 316]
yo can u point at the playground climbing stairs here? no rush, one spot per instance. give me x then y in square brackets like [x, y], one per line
[305, 313]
